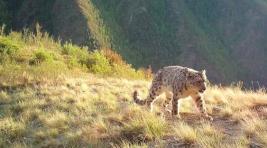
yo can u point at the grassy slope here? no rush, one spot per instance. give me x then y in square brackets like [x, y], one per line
[29, 58]
[93, 111]
[48, 99]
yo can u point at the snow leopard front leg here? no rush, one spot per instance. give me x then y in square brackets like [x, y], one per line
[155, 90]
[176, 105]
[201, 106]
[168, 99]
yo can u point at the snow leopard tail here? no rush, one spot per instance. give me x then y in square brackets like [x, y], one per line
[137, 100]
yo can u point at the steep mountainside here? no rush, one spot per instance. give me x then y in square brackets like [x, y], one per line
[228, 38]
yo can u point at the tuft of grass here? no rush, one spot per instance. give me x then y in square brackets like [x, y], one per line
[209, 137]
[125, 144]
[11, 130]
[155, 126]
[253, 126]
[185, 132]
[144, 128]
[4, 98]
[58, 120]
[96, 132]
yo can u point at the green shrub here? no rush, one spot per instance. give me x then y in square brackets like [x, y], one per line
[69, 49]
[73, 62]
[75, 53]
[52, 57]
[8, 49]
[98, 63]
[41, 56]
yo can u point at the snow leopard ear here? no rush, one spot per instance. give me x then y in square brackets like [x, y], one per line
[204, 74]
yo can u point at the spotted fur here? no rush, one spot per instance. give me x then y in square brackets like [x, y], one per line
[176, 82]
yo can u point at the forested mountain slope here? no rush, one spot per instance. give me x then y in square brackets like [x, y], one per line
[228, 38]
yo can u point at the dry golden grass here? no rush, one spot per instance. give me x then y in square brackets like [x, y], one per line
[185, 132]
[90, 111]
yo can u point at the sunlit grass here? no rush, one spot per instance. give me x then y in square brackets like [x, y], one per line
[209, 136]
[99, 112]
[185, 132]
[92, 118]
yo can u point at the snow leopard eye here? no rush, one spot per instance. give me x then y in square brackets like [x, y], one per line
[190, 76]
